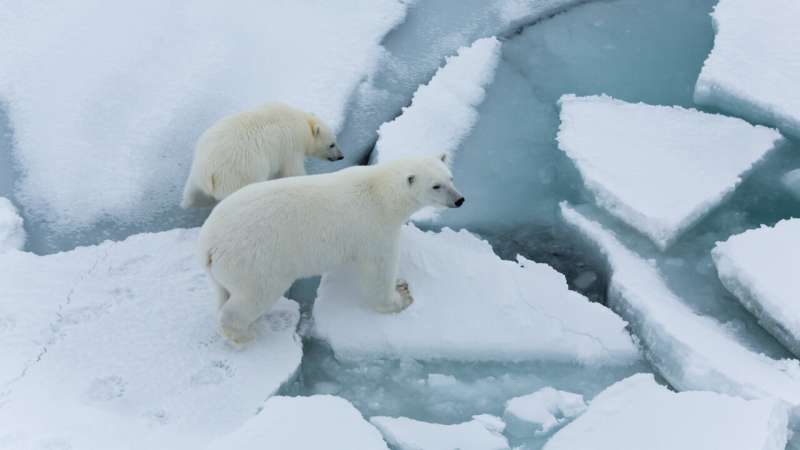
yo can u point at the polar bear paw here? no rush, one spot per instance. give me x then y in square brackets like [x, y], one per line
[235, 336]
[401, 299]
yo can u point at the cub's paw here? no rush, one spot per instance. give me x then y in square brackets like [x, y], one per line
[235, 337]
[401, 299]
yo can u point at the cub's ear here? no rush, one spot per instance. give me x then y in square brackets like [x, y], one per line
[411, 179]
[316, 130]
[443, 157]
[313, 125]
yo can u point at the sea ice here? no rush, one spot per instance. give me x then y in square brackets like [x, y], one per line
[753, 69]
[691, 351]
[12, 233]
[541, 411]
[106, 103]
[304, 423]
[470, 305]
[442, 112]
[637, 413]
[660, 169]
[481, 433]
[117, 343]
[760, 267]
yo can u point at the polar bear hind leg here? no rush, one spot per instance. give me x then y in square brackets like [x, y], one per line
[245, 305]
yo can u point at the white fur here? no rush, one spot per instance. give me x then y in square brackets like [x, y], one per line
[263, 144]
[262, 238]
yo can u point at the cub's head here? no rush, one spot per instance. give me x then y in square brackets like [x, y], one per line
[431, 183]
[323, 142]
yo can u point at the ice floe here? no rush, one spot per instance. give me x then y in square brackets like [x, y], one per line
[304, 423]
[637, 413]
[481, 433]
[760, 267]
[753, 69]
[470, 305]
[541, 411]
[117, 343]
[691, 351]
[660, 169]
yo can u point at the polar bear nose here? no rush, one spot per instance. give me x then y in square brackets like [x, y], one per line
[459, 202]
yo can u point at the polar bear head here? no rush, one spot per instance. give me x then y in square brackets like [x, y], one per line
[430, 183]
[323, 142]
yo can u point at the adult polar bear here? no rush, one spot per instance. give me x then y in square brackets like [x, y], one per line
[262, 238]
[266, 143]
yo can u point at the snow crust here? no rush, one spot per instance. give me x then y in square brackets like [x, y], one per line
[12, 233]
[637, 413]
[753, 69]
[115, 346]
[692, 352]
[541, 411]
[304, 423]
[660, 169]
[106, 103]
[470, 305]
[760, 268]
[481, 433]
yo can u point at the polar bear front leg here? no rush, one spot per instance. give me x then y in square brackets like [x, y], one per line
[385, 293]
[293, 168]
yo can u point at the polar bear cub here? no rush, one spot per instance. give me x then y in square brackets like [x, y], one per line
[266, 143]
[261, 239]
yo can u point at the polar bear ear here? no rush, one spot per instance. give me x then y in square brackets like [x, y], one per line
[316, 130]
[411, 179]
[313, 125]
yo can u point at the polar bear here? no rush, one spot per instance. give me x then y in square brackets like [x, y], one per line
[266, 143]
[262, 238]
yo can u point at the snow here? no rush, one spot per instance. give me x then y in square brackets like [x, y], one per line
[753, 69]
[691, 351]
[117, 343]
[129, 89]
[480, 433]
[541, 411]
[660, 169]
[760, 268]
[470, 305]
[791, 182]
[12, 233]
[637, 413]
[304, 423]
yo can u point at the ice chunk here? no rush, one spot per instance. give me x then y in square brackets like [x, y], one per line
[481, 433]
[106, 103]
[760, 268]
[791, 181]
[658, 168]
[443, 111]
[692, 352]
[470, 305]
[12, 234]
[540, 412]
[753, 69]
[637, 413]
[304, 423]
[118, 343]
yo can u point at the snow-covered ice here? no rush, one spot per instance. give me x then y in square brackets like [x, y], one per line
[541, 411]
[106, 103]
[304, 423]
[660, 169]
[760, 267]
[691, 351]
[637, 413]
[753, 69]
[443, 111]
[12, 233]
[117, 343]
[481, 433]
[470, 305]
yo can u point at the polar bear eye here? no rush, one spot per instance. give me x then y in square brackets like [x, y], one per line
[332, 145]
[437, 186]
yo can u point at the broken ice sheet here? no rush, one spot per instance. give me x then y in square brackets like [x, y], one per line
[760, 267]
[480, 433]
[637, 413]
[118, 343]
[470, 306]
[541, 411]
[660, 169]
